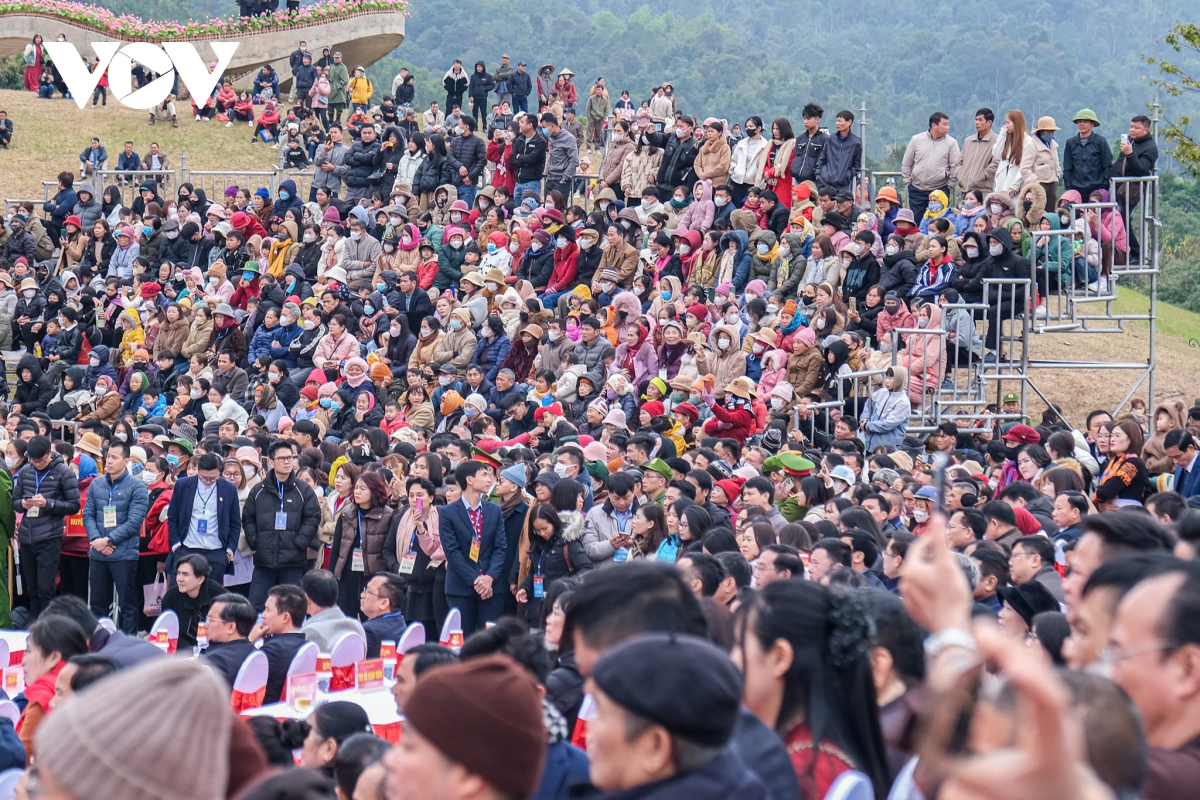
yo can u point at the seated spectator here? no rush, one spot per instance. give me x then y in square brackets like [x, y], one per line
[381, 603]
[191, 597]
[281, 634]
[326, 622]
[230, 620]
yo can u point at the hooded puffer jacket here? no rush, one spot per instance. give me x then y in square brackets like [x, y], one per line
[887, 412]
[1007, 207]
[699, 215]
[764, 265]
[89, 211]
[925, 358]
[724, 363]
[1154, 454]
[35, 393]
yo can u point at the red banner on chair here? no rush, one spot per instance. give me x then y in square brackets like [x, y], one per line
[343, 678]
[241, 701]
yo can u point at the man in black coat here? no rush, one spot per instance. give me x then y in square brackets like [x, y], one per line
[810, 145]
[1138, 159]
[411, 301]
[280, 519]
[47, 490]
[361, 161]
[65, 352]
[777, 213]
[34, 389]
[468, 157]
[679, 154]
[521, 86]
[191, 596]
[528, 156]
[1003, 262]
[229, 622]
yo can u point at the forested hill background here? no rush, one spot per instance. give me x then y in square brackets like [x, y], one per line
[726, 58]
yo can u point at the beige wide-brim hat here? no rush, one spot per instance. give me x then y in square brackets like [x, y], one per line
[1046, 124]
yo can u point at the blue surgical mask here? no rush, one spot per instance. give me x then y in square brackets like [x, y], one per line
[368, 310]
[284, 195]
[381, 287]
[935, 207]
[172, 460]
[247, 276]
[665, 295]
[148, 230]
[491, 248]
[324, 402]
[335, 406]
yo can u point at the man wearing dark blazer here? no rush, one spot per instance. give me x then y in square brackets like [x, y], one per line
[413, 302]
[1181, 447]
[230, 620]
[205, 518]
[472, 534]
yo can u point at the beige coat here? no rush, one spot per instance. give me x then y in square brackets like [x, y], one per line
[614, 161]
[723, 365]
[712, 161]
[422, 354]
[1046, 166]
[640, 170]
[197, 339]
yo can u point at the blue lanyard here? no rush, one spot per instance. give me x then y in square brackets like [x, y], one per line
[203, 500]
[113, 487]
[541, 559]
[38, 478]
[360, 528]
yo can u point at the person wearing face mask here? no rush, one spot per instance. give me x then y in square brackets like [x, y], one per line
[458, 345]
[566, 266]
[939, 207]
[679, 156]
[861, 269]
[1000, 208]
[971, 209]
[451, 258]
[1002, 262]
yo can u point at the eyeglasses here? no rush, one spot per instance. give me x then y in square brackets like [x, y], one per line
[1111, 655]
[284, 459]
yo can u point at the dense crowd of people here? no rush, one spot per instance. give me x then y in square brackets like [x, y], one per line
[693, 555]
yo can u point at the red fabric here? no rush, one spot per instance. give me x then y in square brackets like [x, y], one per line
[503, 175]
[390, 733]
[343, 678]
[741, 420]
[240, 701]
[566, 268]
[816, 766]
[1026, 522]
[41, 691]
[579, 735]
[16, 658]
[75, 540]
[427, 272]
[155, 527]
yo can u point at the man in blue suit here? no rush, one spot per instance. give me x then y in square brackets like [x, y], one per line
[472, 534]
[413, 302]
[205, 518]
[1181, 447]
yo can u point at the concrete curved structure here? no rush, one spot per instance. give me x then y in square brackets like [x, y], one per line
[362, 36]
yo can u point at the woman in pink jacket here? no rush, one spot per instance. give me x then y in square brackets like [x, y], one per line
[700, 214]
[335, 348]
[925, 356]
[636, 356]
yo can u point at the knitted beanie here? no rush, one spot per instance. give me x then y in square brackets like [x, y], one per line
[485, 714]
[114, 739]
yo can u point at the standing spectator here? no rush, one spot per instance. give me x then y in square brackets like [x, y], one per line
[976, 162]
[204, 517]
[1138, 159]
[1087, 158]
[747, 160]
[528, 158]
[47, 490]
[520, 87]
[562, 159]
[62, 205]
[455, 82]
[304, 77]
[361, 89]
[468, 157]
[295, 61]
[280, 518]
[842, 159]
[339, 79]
[116, 506]
[598, 108]
[329, 165]
[810, 145]
[1046, 168]
[503, 81]
[474, 541]
[930, 163]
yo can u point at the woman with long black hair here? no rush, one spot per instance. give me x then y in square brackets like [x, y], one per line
[803, 652]
[555, 551]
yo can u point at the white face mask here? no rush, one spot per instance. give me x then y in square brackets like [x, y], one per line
[777, 402]
[921, 516]
[95, 362]
[249, 470]
[492, 286]
[309, 238]
[721, 201]
[586, 244]
[196, 394]
[149, 478]
[387, 248]
[724, 342]
[456, 244]
[456, 217]
[356, 235]
[772, 308]
[560, 242]
[172, 235]
[604, 204]
[29, 293]
[891, 250]
[785, 251]
[607, 288]
[514, 247]
[732, 319]
[820, 323]
[971, 252]
[995, 248]
[684, 249]
[996, 208]
[395, 331]
[445, 380]
[11, 462]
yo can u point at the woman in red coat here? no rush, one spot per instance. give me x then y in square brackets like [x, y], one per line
[735, 419]
[777, 171]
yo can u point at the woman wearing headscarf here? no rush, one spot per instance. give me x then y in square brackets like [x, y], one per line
[523, 353]
[673, 348]
[939, 206]
[267, 405]
[636, 356]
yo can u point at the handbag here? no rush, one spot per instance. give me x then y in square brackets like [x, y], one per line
[154, 594]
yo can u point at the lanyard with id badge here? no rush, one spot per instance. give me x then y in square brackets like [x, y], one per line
[409, 562]
[356, 559]
[621, 554]
[202, 524]
[37, 489]
[110, 510]
[476, 515]
[539, 582]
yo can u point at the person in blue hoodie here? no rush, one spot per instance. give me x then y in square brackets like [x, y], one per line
[152, 403]
[99, 364]
[740, 241]
[61, 205]
[287, 199]
[284, 334]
